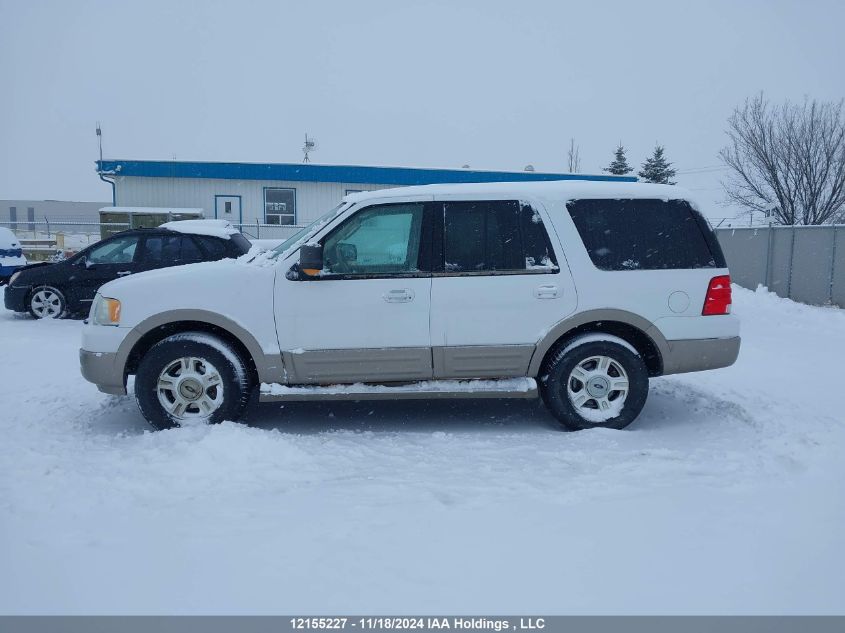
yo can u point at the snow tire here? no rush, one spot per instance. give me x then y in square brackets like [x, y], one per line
[206, 350]
[625, 366]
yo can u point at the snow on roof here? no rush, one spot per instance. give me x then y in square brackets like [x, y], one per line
[214, 228]
[184, 211]
[556, 190]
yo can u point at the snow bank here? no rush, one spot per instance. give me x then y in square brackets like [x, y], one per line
[726, 496]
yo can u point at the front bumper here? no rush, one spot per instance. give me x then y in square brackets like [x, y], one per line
[101, 369]
[700, 354]
[15, 298]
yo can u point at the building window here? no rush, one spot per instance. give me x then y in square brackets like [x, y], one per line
[279, 206]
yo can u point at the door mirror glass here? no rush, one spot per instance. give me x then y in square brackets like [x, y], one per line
[311, 259]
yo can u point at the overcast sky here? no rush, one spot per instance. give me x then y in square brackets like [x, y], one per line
[495, 85]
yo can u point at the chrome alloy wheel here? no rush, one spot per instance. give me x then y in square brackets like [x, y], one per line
[46, 304]
[190, 388]
[597, 388]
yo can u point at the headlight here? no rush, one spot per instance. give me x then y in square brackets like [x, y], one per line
[106, 311]
[13, 277]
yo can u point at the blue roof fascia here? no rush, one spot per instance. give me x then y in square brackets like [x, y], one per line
[328, 173]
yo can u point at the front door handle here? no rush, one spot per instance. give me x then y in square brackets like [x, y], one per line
[546, 292]
[123, 273]
[403, 295]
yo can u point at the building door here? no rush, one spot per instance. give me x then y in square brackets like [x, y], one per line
[228, 208]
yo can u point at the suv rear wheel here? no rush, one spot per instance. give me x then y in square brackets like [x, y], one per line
[595, 381]
[191, 377]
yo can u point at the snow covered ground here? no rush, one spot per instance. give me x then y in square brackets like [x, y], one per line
[726, 496]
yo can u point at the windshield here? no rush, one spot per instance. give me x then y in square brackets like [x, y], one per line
[303, 234]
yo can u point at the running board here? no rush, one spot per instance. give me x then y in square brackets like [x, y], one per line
[426, 389]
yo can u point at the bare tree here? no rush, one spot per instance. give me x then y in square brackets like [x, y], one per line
[574, 157]
[787, 161]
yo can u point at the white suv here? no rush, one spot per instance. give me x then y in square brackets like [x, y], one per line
[574, 291]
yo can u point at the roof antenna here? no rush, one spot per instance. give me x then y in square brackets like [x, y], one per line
[100, 141]
[310, 146]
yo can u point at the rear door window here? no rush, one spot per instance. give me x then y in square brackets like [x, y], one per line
[190, 252]
[645, 234]
[171, 249]
[495, 236]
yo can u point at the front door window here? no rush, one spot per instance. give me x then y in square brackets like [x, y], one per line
[120, 250]
[380, 240]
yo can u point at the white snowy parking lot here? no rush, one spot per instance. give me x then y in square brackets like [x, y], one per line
[726, 496]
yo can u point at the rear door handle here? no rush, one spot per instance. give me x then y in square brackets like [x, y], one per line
[123, 273]
[403, 295]
[546, 292]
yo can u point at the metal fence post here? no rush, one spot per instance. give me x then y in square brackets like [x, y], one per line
[832, 267]
[770, 236]
[257, 229]
[791, 262]
[47, 220]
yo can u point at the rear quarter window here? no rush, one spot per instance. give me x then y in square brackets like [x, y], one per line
[241, 244]
[645, 235]
[218, 248]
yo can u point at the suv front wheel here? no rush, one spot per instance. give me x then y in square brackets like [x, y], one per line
[595, 381]
[191, 377]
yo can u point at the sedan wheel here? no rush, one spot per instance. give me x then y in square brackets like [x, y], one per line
[46, 303]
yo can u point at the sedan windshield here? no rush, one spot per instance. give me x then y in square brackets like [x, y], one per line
[298, 238]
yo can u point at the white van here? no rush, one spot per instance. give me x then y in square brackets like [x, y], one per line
[11, 254]
[577, 292]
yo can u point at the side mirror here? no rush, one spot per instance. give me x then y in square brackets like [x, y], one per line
[311, 260]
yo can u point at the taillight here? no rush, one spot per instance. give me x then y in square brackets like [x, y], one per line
[718, 298]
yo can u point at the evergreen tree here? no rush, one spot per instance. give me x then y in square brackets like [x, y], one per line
[657, 169]
[619, 166]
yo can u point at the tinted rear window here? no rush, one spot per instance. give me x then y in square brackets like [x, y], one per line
[496, 235]
[482, 236]
[645, 235]
[242, 244]
[218, 248]
[214, 246]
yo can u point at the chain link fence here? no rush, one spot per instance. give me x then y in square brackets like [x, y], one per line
[259, 231]
[44, 239]
[41, 239]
